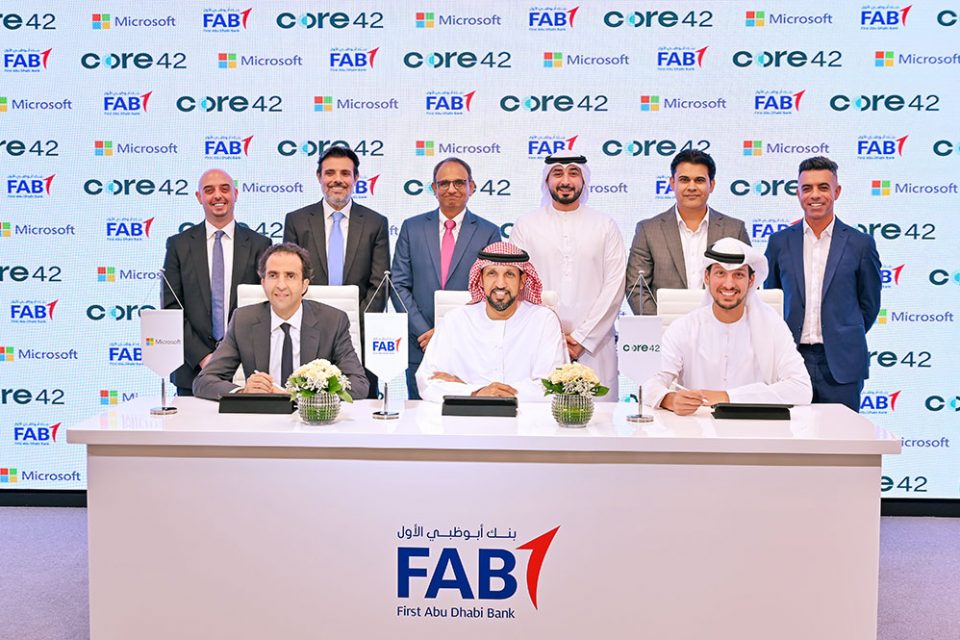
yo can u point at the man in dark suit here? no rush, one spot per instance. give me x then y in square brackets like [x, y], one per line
[830, 276]
[271, 339]
[347, 242]
[204, 265]
[430, 255]
[668, 248]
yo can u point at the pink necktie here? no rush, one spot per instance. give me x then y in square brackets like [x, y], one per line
[446, 251]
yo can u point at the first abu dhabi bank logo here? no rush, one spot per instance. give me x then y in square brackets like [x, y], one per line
[469, 570]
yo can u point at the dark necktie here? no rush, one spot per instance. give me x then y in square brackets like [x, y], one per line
[286, 355]
[216, 288]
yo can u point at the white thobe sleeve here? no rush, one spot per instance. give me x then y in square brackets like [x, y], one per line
[518, 235]
[671, 364]
[792, 384]
[550, 352]
[441, 356]
[609, 298]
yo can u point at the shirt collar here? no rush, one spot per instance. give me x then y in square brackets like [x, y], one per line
[683, 225]
[457, 218]
[328, 210]
[295, 320]
[828, 231]
[227, 230]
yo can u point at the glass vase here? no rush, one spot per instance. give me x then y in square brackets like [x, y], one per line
[321, 408]
[572, 410]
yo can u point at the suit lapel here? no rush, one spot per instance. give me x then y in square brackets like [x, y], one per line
[261, 339]
[241, 259]
[464, 240]
[309, 335]
[354, 232]
[714, 227]
[198, 255]
[837, 244]
[671, 236]
[318, 222]
[795, 250]
[431, 231]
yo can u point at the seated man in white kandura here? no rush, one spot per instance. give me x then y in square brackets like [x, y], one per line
[503, 342]
[734, 348]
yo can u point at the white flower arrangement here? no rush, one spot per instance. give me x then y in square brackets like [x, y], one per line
[318, 376]
[573, 379]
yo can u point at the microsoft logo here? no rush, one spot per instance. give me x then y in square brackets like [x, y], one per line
[109, 397]
[100, 21]
[552, 59]
[6, 354]
[880, 188]
[425, 148]
[756, 19]
[882, 317]
[323, 103]
[106, 274]
[649, 103]
[3, 104]
[753, 147]
[425, 20]
[103, 147]
[883, 59]
[227, 60]
[8, 475]
[5, 230]
[151, 342]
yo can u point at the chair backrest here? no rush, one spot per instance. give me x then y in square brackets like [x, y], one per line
[443, 301]
[673, 303]
[346, 298]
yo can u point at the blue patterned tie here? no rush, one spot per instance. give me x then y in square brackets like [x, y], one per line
[335, 251]
[216, 288]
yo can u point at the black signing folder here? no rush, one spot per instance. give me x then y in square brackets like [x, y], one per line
[748, 411]
[275, 403]
[479, 406]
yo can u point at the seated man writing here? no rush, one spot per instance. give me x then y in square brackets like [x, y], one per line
[272, 339]
[503, 342]
[735, 348]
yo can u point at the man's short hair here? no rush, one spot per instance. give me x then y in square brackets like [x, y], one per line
[339, 151]
[819, 163]
[458, 161]
[694, 156]
[286, 247]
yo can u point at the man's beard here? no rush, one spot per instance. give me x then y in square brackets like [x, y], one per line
[566, 199]
[338, 201]
[504, 305]
[730, 307]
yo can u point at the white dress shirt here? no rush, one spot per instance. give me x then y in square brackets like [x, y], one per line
[694, 244]
[276, 342]
[815, 252]
[226, 243]
[344, 223]
[456, 230]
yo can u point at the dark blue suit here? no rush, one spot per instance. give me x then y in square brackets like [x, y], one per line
[849, 307]
[416, 272]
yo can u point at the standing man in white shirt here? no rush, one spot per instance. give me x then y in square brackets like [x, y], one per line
[203, 265]
[579, 254]
[667, 249]
[830, 276]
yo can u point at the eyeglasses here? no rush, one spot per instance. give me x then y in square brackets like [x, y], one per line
[459, 185]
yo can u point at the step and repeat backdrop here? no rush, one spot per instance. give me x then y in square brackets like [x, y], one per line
[109, 113]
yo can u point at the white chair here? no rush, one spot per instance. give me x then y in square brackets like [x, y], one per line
[444, 301]
[346, 298]
[673, 303]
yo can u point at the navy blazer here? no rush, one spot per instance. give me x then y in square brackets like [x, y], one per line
[851, 294]
[416, 267]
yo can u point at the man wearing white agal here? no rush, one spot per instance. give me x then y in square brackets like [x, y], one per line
[734, 348]
[502, 343]
[579, 253]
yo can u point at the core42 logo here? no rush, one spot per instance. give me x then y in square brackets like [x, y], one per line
[29, 186]
[422, 572]
[880, 147]
[680, 58]
[225, 20]
[25, 60]
[551, 18]
[883, 17]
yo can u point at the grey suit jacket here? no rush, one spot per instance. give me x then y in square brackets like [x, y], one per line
[657, 253]
[324, 333]
[365, 258]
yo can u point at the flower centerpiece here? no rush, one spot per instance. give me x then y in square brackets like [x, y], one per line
[318, 387]
[573, 387]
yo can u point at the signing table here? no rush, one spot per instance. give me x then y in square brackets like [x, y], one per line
[208, 526]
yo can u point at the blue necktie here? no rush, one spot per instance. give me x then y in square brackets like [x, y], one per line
[216, 288]
[335, 251]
